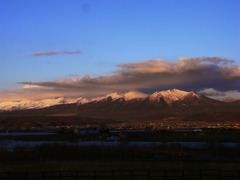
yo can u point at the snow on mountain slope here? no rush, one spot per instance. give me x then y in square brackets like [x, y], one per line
[171, 96]
[82, 100]
[21, 105]
[134, 95]
[128, 96]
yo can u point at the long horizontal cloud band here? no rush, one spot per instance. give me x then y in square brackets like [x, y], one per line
[56, 53]
[156, 73]
[186, 74]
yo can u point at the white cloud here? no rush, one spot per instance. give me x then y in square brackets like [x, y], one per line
[220, 95]
[211, 92]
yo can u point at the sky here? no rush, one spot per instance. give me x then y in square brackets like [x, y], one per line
[88, 48]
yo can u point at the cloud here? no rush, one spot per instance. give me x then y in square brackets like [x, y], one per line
[221, 95]
[211, 92]
[33, 93]
[161, 65]
[56, 53]
[72, 75]
[193, 74]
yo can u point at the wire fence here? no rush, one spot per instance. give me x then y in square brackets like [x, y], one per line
[163, 174]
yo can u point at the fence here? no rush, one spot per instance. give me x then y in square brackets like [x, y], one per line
[125, 175]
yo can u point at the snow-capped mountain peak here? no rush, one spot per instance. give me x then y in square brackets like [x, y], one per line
[171, 96]
[128, 96]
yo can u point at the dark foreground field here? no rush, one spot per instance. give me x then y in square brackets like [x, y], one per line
[63, 157]
[119, 165]
[123, 171]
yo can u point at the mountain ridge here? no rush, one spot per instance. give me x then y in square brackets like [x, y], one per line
[23, 105]
[171, 108]
[167, 98]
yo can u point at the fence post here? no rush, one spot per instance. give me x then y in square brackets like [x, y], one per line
[113, 174]
[183, 174]
[77, 174]
[148, 174]
[219, 174]
[43, 175]
[60, 175]
[131, 174]
[200, 174]
[165, 173]
[26, 175]
[95, 175]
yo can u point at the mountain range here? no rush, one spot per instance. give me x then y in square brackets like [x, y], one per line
[171, 108]
[168, 98]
